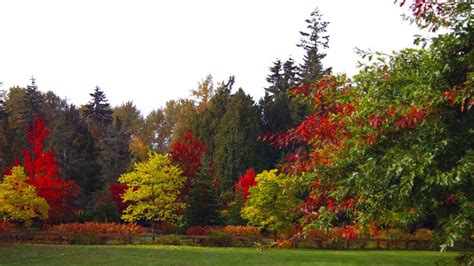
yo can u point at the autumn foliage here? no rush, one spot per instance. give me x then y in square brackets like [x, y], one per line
[246, 181]
[42, 170]
[96, 228]
[188, 153]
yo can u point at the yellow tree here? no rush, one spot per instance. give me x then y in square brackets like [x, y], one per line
[19, 201]
[273, 201]
[153, 191]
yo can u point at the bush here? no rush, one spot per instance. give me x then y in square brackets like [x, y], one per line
[199, 231]
[167, 228]
[423, 234]
[92, 233]
[250, 232]
[5, 226]
[218, 239]
[169, 240]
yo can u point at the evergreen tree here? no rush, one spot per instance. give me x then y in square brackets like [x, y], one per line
[4, 149]
[98, 114]
[76, 153]
[236, 144]
[114, 152]
[206, 123]
[204, 206]
[313, 42]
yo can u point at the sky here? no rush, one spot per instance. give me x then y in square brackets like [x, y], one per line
[151, 51]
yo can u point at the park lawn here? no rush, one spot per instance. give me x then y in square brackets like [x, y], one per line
[30, 254]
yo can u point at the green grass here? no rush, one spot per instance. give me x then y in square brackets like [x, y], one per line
[29, 254]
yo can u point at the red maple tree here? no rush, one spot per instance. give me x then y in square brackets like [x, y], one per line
[188, 153]
[42, 170]
[116, 191]
[246, 181]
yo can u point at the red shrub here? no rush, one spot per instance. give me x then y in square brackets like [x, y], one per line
[199, 231]
[240, 231]
[91, 228]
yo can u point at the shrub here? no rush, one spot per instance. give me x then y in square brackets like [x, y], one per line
[92, 233]
[97, 228]
[423, 234]
[167, 228]
[169, 240]
[199, 231]
[5, 226]
[250, 232]
[218, 239]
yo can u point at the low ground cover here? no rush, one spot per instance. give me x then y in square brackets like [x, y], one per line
[27, 254]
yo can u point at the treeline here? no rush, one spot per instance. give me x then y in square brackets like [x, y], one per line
[94, 144]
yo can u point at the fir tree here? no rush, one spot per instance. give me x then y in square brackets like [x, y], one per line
[204, 206]
[114, 152]
[98, 114]
[313, 42]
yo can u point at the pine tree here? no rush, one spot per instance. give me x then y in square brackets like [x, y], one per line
[4, 149]
[76, 152]
[98, 114]
[313, 42]
[237, 147]
[204, 206]
[114, 152]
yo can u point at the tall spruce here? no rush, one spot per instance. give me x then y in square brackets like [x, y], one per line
[4, 149]
[236, 144]
[204, 206]
[76, 153]
[313, 42]
[98, 114]
[207, 122]
[114, 152]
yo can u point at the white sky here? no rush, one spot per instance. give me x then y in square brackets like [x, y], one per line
[153, 51]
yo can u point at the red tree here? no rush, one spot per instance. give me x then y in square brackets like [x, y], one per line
[42, 170]
[188, 154]
[116, 191]
[246, 181]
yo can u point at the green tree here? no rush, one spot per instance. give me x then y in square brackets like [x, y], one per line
[98, 114]
[313, 42]
[4, 149]
[274, 201]
[236, 144]
[19, 202]
[153, 192]
[114, 152]
[76, 153]
[204, 206]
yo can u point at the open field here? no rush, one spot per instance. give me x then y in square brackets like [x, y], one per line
[29, 254]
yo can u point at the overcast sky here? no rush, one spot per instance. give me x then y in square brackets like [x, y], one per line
[153, 51]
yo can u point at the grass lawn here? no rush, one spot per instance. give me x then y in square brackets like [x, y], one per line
[29, 254]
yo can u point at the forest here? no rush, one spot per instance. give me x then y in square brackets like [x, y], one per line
[387, 150]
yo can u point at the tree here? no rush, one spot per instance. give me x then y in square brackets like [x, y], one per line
[188, 154]
[19, 201]
[206, 123]
[246, 181]
[203, 94]
[114, 152]
[273, 202]
[237, 147]
[76, 153]
[42, 170]
[313, 42]
[204, 206]
[131, 118]
[153, 191]
[4, 149]
[98, 114]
